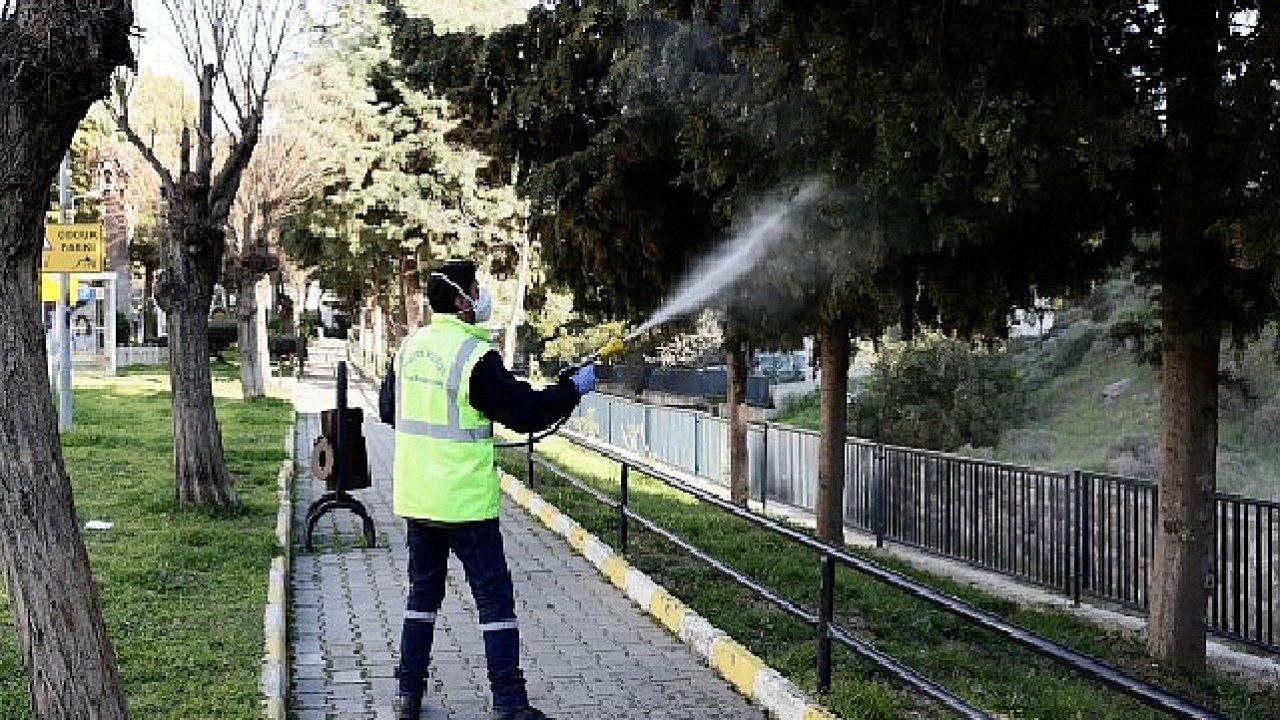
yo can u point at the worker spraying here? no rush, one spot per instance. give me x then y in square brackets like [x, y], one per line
[449, 387]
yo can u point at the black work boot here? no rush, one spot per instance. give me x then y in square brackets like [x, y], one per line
[528, 713]
[407, 707]
[408, 703]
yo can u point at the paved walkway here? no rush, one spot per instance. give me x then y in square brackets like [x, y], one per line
[589, 653]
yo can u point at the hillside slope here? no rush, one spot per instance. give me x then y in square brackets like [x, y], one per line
[1092, 398]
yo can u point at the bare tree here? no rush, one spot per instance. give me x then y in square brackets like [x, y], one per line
[234, 48]
[285, 171]
[56, 59]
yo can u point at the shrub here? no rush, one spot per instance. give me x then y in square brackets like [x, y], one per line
[223, 333]
[1069, 348]
[282, 346]
[1029, 445]
[341, 323]
[124, 331]
[1133, 456]
[1109, 297]
[1264, 428]
[309, 322]
[940, 394]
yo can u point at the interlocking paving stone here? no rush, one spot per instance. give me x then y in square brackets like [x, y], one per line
[588, 653]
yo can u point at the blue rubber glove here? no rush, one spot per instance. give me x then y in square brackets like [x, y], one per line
[585, 378]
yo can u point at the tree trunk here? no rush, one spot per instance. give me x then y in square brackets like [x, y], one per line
[50, 71]
[251, 339]
[1192, 266]
[736, 358]
[833, 349]
[202, 477]
[517, 302]
[385, 334]
[1185, 524]
[298, 279]
[194, 245]
[150, 320]
[262, 293]
[193, 257]
[288, 314]
[71, 668]
[411, 286]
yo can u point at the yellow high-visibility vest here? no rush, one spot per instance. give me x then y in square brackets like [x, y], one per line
[444, 467]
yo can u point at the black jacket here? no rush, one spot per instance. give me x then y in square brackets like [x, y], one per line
[501, 397]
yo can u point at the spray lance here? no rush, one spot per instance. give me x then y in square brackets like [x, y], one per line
[614, 347]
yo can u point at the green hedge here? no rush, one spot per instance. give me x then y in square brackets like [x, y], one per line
[225, 333]
[283, 346]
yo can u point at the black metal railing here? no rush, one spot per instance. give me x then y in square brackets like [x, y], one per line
[822, 619]
[1079, 533]
[1244, 603]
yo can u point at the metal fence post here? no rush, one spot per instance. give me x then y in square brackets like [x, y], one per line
[764, 468]
[1084, 560]
[881, 496]
[826, 609]
[622, 509]
[529, 459]
[697, 432]
[648, 430]
[1074, 529]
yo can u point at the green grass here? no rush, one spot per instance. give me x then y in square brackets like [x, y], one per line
[801, 411]
[182, 591]
[1083, 424]
[990, 672]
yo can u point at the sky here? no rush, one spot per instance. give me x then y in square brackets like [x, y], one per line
[158, 50]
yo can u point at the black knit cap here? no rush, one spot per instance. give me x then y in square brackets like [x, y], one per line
[440, 294]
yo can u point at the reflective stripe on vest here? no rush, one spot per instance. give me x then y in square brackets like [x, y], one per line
[452, 429]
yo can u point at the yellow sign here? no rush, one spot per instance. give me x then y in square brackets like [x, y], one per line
[72, 249]
[49, 287]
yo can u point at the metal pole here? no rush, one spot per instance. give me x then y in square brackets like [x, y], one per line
[63, 312]
[622, 509]
[1077, 542]
[529, 460]
[339, 439]
[1086, 534]
[697, 435]
[882, 502]
[764, 469]
[826, 609]
[111, 323]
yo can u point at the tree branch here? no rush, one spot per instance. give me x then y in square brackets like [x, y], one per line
[166, 178]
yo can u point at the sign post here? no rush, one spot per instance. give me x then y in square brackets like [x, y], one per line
[63, 314]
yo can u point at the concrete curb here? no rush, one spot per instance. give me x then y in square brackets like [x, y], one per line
[747, 673]
[275, 630]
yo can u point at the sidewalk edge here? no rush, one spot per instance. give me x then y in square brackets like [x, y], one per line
[748, 674]
[275, 662]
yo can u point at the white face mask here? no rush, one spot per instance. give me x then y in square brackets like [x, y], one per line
[482, 306]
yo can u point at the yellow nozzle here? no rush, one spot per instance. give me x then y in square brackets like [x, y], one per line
[611, 348]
